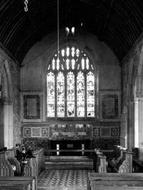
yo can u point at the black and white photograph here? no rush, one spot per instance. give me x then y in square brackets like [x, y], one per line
[71, 94]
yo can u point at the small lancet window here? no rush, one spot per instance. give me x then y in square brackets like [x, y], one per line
[63, 52]
[87, 63]
[73, 64]
[73, 51]
[53, 64]
[82, 63]
[67, 51]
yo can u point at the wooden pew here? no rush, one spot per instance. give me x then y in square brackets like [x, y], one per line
[101, 163]
[39, 157]
[35, 165]
[17, 183]
[5, 166]
[31, 170]
[123, 163]
[137, 166]
[115, 181]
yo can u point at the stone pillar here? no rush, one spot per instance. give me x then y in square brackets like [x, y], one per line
[140, 127]
[124, 124]
[1, 126]
[130, 130]
[136, 124]
[8, 125]
[6, 108]
[1, 108]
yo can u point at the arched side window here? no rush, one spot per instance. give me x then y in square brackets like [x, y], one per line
[71, 85]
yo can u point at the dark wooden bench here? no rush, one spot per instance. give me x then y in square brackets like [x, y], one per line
[8, 180]
[32, 168]
[115, 181]
[18, 183]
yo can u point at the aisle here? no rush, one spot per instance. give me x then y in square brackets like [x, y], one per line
[63, 180]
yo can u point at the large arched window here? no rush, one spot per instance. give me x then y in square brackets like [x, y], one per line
[71, 85]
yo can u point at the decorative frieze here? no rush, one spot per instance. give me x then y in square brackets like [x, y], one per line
[115, 132]
[74, 132]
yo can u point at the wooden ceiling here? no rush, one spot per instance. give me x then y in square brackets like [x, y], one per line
[118, 23]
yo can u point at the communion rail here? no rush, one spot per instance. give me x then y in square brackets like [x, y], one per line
[98, 157]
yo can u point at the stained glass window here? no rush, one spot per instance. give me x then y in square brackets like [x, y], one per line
[60, 95]
[90, 94]
[70, 95]
[50, 94]
[71, 85]
[80, 95]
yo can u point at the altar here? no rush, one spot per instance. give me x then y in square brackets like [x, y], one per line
[70, 147]
[71, 138]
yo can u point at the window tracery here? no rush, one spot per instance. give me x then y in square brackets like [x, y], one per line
[71, 85]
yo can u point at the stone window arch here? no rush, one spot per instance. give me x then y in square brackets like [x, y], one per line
[71, 85]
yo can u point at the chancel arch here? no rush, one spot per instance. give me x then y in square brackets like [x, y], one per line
[73, 95]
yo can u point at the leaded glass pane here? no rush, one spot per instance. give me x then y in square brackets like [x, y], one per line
[90, 95]
[70, 94]
[67, 64]
[78, 67]
[63, 52]
[50, 94]
[73, 64]
[87, 63]
[80, 95]
[62, 67]
[92, 67]
[73, 51]
[58, 63]
[60, 95]
[67, 51]
[49, 67]
[82, 63]
[53, 64]
[77, 52]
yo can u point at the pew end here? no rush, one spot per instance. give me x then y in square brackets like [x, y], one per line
[18, 183]
[110, 181]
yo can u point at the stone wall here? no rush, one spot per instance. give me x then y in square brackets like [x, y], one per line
[37, 59]
[33, 78]
[15, 73]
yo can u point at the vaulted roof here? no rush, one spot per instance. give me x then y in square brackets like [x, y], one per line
[118, 23]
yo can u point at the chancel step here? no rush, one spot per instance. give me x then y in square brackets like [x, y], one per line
[68, 162]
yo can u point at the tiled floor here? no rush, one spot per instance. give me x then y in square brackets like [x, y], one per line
[63, 180]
